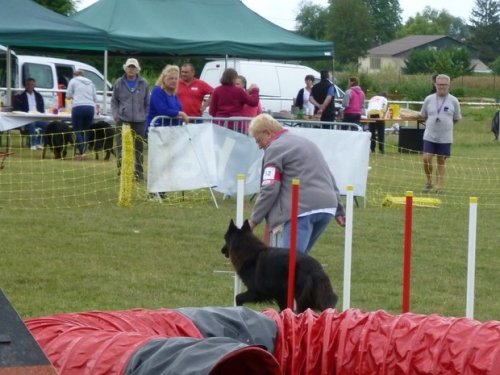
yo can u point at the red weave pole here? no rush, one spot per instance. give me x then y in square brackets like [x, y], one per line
[293, 242]
[407, 256]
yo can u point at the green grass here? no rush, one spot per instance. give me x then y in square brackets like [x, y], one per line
[80, 257]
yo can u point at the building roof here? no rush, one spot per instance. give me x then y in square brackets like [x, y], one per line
[399, 46]
[479, 66]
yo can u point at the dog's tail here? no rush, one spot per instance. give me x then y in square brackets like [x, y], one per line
[325, 297]
[316, 293]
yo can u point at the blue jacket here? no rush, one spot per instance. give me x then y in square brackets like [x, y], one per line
[163, 104]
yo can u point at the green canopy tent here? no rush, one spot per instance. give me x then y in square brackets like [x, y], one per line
[197, 28]
[28, 24]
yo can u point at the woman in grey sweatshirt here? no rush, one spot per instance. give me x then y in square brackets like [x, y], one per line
[83, 93]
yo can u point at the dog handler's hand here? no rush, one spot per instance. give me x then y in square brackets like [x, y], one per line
[252, 224]
[340, 220]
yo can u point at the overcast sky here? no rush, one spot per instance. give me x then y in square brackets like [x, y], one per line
[283, 12]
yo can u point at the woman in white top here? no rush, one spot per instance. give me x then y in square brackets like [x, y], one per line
[302, 100]
[83, 93]
[377, 106]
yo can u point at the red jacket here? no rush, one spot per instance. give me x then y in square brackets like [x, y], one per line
[228, 101]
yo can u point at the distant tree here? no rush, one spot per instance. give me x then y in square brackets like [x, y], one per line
[454, 62]
[65, 7]
[348, 28]
[312, 21]
[420, 61]
[434, 22]
[385, 19]
[495, 66]
[485, 29]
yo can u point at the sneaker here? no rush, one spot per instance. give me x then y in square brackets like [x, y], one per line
[154, 197]
[39, 147]
[80, 156]
[33, 148]
[427, 187]
[439, 191]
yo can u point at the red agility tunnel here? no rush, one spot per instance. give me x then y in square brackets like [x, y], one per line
[356, 342]
[232, 341]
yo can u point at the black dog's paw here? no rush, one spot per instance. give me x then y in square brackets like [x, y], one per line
[239, 299]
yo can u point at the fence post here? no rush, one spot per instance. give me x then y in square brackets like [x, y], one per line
[293, 242]
[127, 167]
[346, 302]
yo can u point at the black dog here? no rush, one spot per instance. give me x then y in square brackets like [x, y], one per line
[57, 136]
[100, 138]
[264, 271]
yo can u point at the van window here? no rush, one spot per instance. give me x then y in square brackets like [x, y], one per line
[96, 80]
[41, 73]
[64, 74]
[3, 70]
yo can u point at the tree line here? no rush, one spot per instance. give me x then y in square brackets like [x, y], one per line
[355, 26]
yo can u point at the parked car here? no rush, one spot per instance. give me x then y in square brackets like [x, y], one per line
[279, 83]
[52, 76]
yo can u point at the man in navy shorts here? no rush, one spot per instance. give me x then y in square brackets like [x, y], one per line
[441, 111]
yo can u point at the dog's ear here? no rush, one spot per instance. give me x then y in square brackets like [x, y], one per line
[246, 226]
[231, 224]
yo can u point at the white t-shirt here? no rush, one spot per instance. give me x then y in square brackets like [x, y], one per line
[31, 101]
[376, 104]
[308, 106]
[441, 114]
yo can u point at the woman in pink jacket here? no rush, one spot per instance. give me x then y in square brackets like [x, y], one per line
[353, 102]
[228, 100]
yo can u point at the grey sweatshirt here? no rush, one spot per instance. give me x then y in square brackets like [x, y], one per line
[127, 105]
[295, 157]
[82, 91]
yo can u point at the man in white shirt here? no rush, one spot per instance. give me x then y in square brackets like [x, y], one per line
[441, 111]
[377, 106]
[31, 100]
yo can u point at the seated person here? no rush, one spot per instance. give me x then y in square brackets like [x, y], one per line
[31, 100]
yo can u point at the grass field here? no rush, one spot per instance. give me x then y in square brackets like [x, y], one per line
[79, 257]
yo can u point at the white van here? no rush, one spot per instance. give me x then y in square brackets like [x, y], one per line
[51, 75]
[279, 83]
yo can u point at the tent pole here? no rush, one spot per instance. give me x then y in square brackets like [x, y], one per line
[333, 70]
[105, 91]
[8, 98]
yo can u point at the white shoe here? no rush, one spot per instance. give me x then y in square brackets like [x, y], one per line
[33, 148]
[39, 147]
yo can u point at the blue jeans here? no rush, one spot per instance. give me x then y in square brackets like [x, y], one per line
[82, 117]
[36, 139]
[309, 229]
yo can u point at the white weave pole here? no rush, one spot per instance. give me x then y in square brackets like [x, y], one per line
[240, 199]
[471, 258]
[346, 304]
